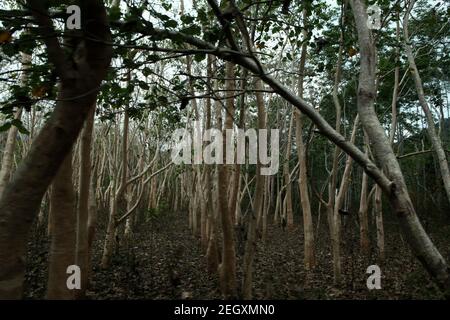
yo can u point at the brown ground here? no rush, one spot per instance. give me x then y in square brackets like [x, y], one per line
[165, 247]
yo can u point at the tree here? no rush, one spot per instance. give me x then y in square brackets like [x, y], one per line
[20, 200]
[62, 248]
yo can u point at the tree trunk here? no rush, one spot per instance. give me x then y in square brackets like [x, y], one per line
[212, 254]
[82, 258]
[431, 128]
[227, 269]
[62, 247]
[363, 219]
[332, 215]
[308, 229]
[378, 209]
[110, 239]
[250, 246]
[287, 208]
[398, 195]
[8, 152]
[19, 203]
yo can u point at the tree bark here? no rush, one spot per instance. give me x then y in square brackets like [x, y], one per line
[227, 269]
[398, 195]
[19, 203]
[287, 208]
[431, 128]
[212, 254]
[62, 247]
[378, 209]
[363, 218]
[110, 239]
[250, 246]
[82, 246]
[308, 229]
[8, 152]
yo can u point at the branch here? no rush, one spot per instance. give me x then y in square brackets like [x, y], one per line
[143, 171]
[229, 55]
[122, 218]
[417, 153]
[55, 52]
[225, 24]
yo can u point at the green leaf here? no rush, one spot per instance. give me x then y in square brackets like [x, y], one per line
[114, 13]
[199, 57]
[170, 23]
[153, 58]
[20, 127]
[9, 49]
[146, 71]
[202, 16]
[143, 85]
[5, 126]
[193, 30]
[187, 19]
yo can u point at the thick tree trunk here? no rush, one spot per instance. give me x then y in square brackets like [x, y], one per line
[19, 203]
[398, 195]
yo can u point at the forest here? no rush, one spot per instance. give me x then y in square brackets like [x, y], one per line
[224, 149]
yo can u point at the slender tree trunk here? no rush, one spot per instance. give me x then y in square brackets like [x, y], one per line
[431, 128]
[8, 151]
[289, 215]
[379, 223]
[212, 254]
[110, 240]
[265, 209]
[92, 218]
[82, 258]
[236, 172]
[62, 247]
[227, 269]
[363, 218]
[250, 246]
[332, 217]
[308, 229]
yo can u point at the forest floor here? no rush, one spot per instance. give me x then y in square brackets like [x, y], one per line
[167, 262]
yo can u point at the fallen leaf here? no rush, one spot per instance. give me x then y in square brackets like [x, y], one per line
[5, 37]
